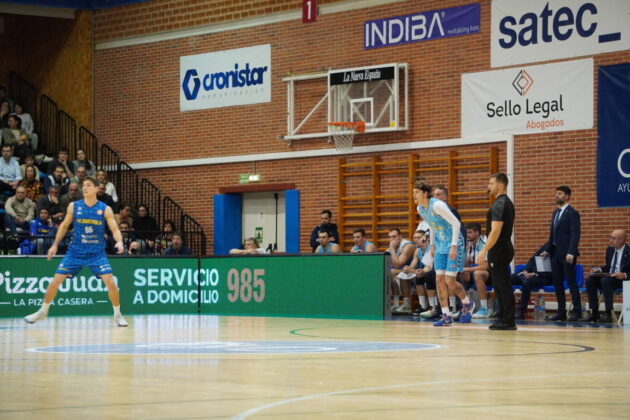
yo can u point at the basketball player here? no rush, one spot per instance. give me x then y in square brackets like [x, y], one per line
[88, 216]
[447, 248]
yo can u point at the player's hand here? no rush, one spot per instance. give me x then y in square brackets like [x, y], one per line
[569, 259]
[544, 254]
[453, 252]
[481, 257]
[119, 247]
[51, 252]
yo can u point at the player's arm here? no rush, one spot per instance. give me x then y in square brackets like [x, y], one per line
[113, 226]
[336, 248]
[61, 230]
[371, 248]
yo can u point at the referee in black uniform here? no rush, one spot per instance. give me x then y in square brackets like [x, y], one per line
[500, 251]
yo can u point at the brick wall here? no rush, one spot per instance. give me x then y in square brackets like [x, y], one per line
[137, 113]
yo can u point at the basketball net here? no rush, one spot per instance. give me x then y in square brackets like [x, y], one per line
[343, 133]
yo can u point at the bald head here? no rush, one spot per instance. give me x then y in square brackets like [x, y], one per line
[618, 238]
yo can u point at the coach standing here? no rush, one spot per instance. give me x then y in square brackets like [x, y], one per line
[499, 250]
[562, 247]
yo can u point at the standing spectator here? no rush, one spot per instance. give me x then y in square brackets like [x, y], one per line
[250, 247]
[82, 160]
[564, 239]
[10, 175]
[31, 183]
[145, 226]
[62, 160]
[42, 231]
[499, 250]
[177, 247]
[51, 203]
[325, 219]
[18, 211]
[110, 188]
[27, 125]
[609, 277]
[164, 239]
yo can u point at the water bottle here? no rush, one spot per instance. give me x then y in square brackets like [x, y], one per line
[539, 308]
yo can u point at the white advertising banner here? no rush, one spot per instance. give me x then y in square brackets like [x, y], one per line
[528, 100]
[541, 30]
[225, 78]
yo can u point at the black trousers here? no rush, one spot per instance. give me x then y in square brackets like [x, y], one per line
[561, 269]
[536, 282]
[607, 285]
[501, 282]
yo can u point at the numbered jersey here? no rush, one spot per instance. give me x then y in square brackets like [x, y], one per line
[89, 229]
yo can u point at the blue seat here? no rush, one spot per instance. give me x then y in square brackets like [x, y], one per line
[579, 278]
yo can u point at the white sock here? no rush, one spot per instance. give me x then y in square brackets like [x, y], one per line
[396, 300]
[484, 303]
[446, 310]
[423, 301]
[116, 310]
[45, 307]
[452, 301]
[433, 301]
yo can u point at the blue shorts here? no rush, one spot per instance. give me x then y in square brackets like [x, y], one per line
[442, 263]
[71, 265]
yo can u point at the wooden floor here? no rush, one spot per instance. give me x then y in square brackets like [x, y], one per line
[205, 367]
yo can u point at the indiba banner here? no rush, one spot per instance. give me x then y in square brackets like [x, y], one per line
[528, 100]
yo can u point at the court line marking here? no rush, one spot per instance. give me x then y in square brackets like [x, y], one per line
[263, 407]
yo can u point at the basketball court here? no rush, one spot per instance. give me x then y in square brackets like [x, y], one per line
[191, 366]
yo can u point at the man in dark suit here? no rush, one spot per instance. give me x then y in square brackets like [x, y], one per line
[564, 238]
[609, 277]
[530, 279]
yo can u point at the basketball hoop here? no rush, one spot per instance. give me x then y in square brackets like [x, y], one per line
[343, 133]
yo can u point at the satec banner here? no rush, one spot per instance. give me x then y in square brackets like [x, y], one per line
[540, 30]
[225, 78]
[528, 100]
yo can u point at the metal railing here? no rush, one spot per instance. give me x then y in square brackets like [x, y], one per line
[23, 93]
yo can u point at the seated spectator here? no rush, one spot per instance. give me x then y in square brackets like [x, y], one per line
[58, 179]
[10, 175]
[31, 184]
[18, 211]
[124, 215]
[145, 226]
[136, 248]
[401, 251]
[325, 219]
[424, 275]
[608, 277]
[29, 160]
[476, 276]
[74, 193]
[27, 125]
[177, 247]
[51, 203]
[4, 97]
[128, 237]
[101, 195]
[163, 240]
[326, 246]
[250, 247]
[62, 160]
[361, 244]
[80, 174]
[42, 232]
[15, 136]
[5, 111]
[530, 279]
[82, 160]
[101, 176]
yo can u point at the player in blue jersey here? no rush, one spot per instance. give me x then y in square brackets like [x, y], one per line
[447, 248]
[88, 217]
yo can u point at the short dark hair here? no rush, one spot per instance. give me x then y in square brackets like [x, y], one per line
[63, 149]
[441, 187]
[565, 189]
[395, 229]
[328, 212]
[326, 228]
[501, 178]
[92, 180]
[6, 146]
[178, 233]
[361, 231]
[421, 232]
[474, 226]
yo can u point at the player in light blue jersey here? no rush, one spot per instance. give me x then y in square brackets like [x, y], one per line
[88, 216]
[447, 248]
[361, 244]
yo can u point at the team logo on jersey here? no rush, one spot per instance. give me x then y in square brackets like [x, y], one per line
[99, 212]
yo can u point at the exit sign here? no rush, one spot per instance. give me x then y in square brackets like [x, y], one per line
[309, 11]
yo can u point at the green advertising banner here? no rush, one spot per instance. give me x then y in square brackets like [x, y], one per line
[331, 286]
